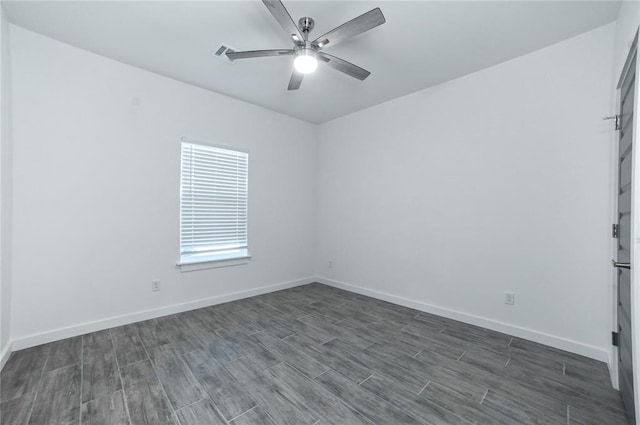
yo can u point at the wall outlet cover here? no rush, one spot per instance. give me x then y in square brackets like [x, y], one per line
[509, 298]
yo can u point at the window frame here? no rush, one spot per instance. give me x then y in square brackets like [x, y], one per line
[223, 259]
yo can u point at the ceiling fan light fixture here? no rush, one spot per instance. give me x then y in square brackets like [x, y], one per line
[307, 53]
[305, 61]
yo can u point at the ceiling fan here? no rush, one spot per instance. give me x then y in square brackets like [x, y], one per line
[308, 53]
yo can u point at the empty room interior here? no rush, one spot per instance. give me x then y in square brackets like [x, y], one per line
[319, 212]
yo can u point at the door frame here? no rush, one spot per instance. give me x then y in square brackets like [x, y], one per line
[635, 231]
[635, 235]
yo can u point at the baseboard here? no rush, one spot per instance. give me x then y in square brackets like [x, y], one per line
[520, 332]
[4, 355]
[71, 331]
[530, 334]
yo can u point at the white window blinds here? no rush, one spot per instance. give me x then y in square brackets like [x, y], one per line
[213, 203]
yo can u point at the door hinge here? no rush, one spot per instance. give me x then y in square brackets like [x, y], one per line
[615, 230]
[616, 120]
[615, 339]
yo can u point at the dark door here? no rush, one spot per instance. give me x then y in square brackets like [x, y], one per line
[625, 145]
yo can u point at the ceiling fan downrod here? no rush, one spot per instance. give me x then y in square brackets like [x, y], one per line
[306, 25]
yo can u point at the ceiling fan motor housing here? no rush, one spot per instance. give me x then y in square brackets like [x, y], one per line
[305, 47]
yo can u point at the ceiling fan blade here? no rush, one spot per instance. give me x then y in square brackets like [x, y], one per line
[350, 29]
[258, 53]
[296, 80]
[344, 66]
[281, 14]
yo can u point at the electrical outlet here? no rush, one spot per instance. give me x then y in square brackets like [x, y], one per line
[509, 298]
[155, 285]
[330, 264]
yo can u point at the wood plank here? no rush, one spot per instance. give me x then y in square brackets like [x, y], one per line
[22, 372]
[318, 336]
[107, 410]
[100, 375]
[16, 411]
[589, 417]
[463, 378]
[522, 411]
[368, 404]
[248, 347]
[219, 348]
[228, 396]
[464, 407]
[420, 407]
[127, 345]
[391, 370]
[255, 416]
[180, 384]
[200, 413]
[315, 398]
[147, 402]
[64, 353]
[325, 405]
[349, 365]
[58, 400]
[358, 339]
[180, 335]
[282, 403]
[152, 333]
[340, 414]
[285, 352]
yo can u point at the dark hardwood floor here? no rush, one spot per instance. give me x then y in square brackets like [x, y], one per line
[308, 355]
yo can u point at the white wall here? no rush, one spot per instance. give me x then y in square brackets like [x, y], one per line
[498, 181]
[96, 194]
[6, 167]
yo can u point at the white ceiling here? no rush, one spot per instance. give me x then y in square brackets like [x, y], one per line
[423, 43]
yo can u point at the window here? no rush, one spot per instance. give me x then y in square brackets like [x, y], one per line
[213, 203]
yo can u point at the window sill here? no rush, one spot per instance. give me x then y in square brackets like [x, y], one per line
[202, 263]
